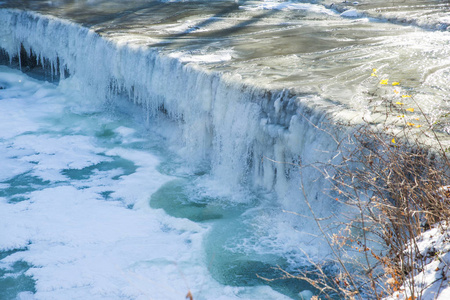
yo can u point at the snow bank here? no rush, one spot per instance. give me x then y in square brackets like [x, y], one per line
[433, 266]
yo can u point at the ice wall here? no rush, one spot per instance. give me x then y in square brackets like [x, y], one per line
[248, 136]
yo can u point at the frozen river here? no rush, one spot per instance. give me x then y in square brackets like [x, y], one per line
[158, 151]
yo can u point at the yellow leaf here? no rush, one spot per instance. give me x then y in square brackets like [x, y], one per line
[384, 81]
[410, 109]
[406, 96]
[374, 70]
[374, 75]
[418, 126]
[396, 83]
[393, 141]
[395, 91]
[417, 119]
[399, 103]
[401, 116]
[409, 124]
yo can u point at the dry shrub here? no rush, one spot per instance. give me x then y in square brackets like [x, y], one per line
[395, 188]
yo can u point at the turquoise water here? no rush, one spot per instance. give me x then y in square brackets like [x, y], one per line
[13, 280]
[231, 244]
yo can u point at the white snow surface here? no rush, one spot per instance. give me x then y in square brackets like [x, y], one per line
[286, 5]
[351, 13]
[201, 57]
[432, 283]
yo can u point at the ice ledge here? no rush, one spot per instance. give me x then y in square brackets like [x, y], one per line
[231, 125]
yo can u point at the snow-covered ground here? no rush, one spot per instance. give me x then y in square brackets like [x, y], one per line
[433, 257]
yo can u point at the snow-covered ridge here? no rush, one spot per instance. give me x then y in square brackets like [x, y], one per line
[231, 126]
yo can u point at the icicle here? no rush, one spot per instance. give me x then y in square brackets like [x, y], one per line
[51, 69]
[20, 59]
[42, 61]
[61, 70]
